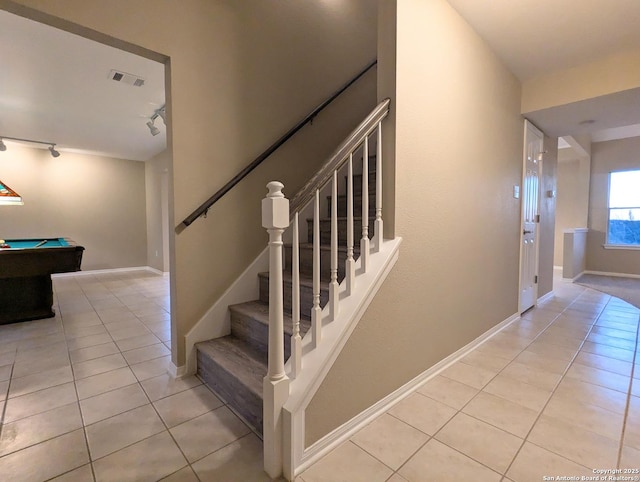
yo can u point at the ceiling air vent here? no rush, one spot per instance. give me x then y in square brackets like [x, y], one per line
[125, 78]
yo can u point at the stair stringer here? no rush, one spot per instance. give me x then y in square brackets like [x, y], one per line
[316, 362]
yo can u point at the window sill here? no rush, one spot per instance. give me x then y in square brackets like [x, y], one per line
[632, 247]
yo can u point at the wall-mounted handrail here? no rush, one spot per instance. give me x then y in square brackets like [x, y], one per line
[204, 207]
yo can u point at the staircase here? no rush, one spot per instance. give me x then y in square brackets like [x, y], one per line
[234, 366]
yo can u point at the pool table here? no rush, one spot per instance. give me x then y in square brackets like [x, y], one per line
[26, 266]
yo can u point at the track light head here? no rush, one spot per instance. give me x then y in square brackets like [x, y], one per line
[154, 130]
[3, 146]
[162, 113]
[53, 151]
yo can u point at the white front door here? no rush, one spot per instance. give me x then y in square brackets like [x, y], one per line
[531, 170]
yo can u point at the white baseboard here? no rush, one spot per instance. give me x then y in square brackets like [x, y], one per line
[345, 431]
[109, 271]
[177, 372]
[216, 322]
[617, 275]
[577, 276]
[546, 297]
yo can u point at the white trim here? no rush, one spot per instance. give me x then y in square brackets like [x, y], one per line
[576, 230]
[546, 297]
[216, 322]
[622, 246]
[177, 372]
[617, 275]
[557, 267]
[577, 276]
[342, 433]
[109, 271]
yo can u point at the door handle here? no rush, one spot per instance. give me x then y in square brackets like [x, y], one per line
[527, 232]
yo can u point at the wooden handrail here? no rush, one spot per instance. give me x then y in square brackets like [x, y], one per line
[204, 207]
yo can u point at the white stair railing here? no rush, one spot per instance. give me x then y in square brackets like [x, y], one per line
[275, 205]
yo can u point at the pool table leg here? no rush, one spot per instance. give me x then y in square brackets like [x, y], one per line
[26, 298]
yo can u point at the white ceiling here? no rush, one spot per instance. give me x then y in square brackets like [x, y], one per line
[536, 37]
[55, 87]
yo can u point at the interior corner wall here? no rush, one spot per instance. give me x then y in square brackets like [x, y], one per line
[459, 144]
[618, 155]
[157, 202]
[242, 73]
[99, 202]
[547, 223]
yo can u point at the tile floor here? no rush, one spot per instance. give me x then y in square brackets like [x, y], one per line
[85, 397]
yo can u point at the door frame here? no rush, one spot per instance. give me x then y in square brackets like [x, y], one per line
[530, 128]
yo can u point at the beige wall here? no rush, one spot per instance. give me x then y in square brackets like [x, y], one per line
[99, 202]
[606, 157]
[459, 138]
[157, 202]
[567, 210]
[241, 74]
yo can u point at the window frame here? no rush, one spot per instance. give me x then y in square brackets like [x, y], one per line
[608, 244]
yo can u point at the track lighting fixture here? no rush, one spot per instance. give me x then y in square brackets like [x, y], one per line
[154, 130]
[161, 112]
[52, 145]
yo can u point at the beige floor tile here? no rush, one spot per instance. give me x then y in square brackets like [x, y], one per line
[137, 342]
[40, 401]
[93, 352]
[347, 462]
[146, 353]
[616, 325]
[589, 417]
[165, 385]
[38, 428]
[614, 333]
[183, 475]
[629, 457]
[635, 387]
[599, 377]
[112, 403]
[81, 474]
[186, 405]
[532, 375]
[105, 382]
[552, 350]
[519, 392]
[209, 432]
[240, 460]
[151, 368]
[473, 376]
[485, 443]
[572, 389]
[54, 457]
[609, 351]
[577, 331]
[85, 331]
[508, 416]
[397, 478]
[487, 362]
[436, 461]
[88, 341]
[123, 324]
[115, 433]
[148, 460]
[559, 343]
[586, 448]
[122, 334]
[40, 381]
[495, 348]
[624, 344]
[533, 463]
[390, 440]
[5, 373]
[543, 362]
[99, 365]
[604, 363]
[4, 389]
[447, 391]
[424, 413]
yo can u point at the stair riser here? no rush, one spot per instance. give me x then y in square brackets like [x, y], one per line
[256, 334]
[245, 402]
[325, 231]
[306, 297]
[357, 206]
[306, 262]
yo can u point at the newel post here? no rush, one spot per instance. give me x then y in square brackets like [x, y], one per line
[275, 219]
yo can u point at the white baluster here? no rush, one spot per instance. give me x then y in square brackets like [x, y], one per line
[364, 242]
[316, 311]
[350, 265]
[275, 218]
[296, 340]
[378, 227]
[333, 284]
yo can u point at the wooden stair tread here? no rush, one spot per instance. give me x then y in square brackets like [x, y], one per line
[259, 311]
[304, 280]
[238, 358]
